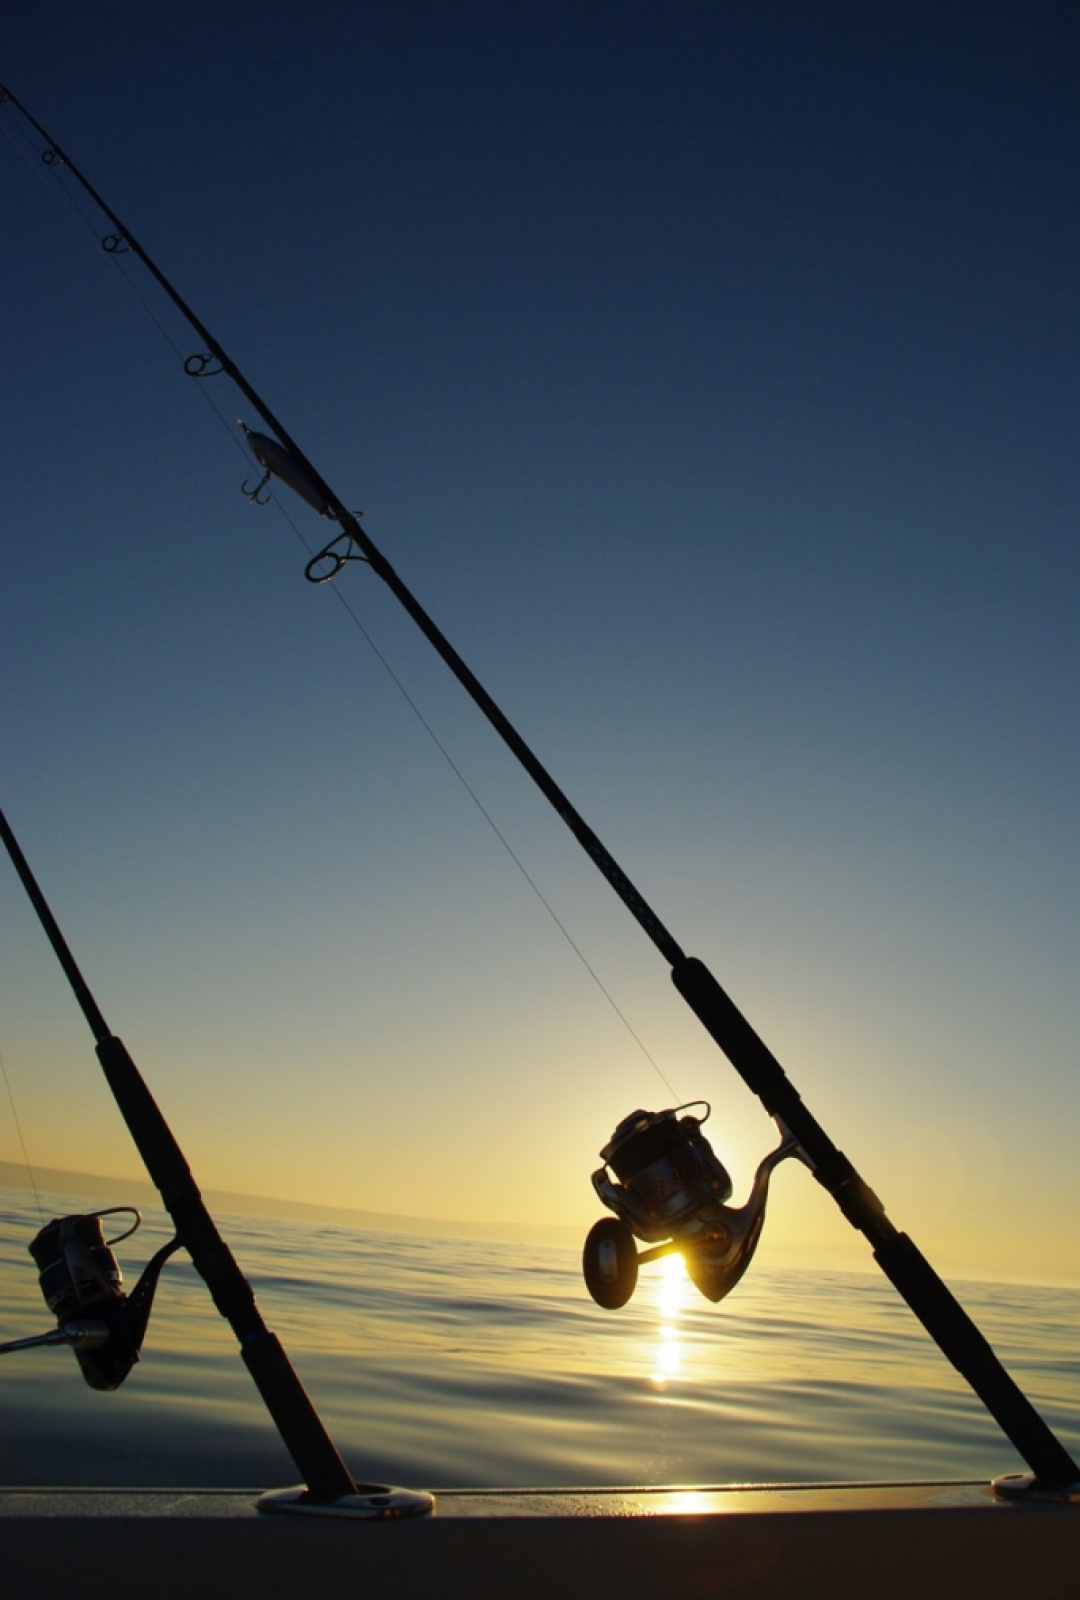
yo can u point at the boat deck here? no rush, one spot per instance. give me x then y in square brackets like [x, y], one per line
[952, 1539]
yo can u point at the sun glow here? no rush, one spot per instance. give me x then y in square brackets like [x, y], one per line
[670, 1299]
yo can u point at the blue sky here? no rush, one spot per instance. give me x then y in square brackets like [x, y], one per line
[709, 371]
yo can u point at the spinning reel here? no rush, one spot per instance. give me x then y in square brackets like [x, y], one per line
[81, 1280]
[670, 1186]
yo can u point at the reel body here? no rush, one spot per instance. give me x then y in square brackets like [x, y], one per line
[81, 1281]
[670, 1190]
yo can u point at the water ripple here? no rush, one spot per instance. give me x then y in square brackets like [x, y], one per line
[464, 1362]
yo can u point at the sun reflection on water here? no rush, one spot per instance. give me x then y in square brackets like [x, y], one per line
[670, 1300]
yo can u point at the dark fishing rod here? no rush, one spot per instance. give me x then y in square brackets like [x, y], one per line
[325, 1474]
[907, 1269]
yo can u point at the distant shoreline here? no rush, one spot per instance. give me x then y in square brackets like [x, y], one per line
[57, 1181]
[140, 1191]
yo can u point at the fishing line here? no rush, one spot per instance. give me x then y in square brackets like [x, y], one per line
[500, 836]
[61, 190]
[19, 141]
[50, 175]
[22, 1141]
[458, 773]
[429, 729]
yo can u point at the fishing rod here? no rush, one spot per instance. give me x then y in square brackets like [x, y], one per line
[80, 1278]
[903, 1264]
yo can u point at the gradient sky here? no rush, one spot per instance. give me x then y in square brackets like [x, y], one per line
[710, 373]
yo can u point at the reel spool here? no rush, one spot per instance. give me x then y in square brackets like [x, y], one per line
[81, 1281]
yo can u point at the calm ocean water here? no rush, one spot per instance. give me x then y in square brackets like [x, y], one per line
[450, 1362]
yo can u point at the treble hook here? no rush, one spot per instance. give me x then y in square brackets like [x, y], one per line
[337, 552]
[256, 495]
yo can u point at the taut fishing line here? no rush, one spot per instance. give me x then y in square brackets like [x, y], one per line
[116, 247]
[19, 1131]
[500, 836]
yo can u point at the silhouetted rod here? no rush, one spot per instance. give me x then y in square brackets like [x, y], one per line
[296, 1419]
